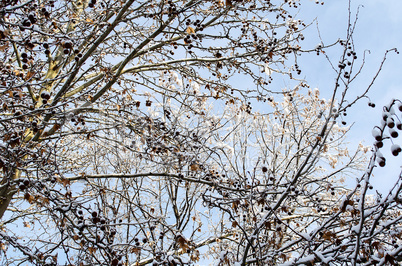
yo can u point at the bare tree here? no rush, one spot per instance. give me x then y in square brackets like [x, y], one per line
[125, 139]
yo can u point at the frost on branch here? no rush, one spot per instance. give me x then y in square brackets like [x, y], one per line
[127, 138]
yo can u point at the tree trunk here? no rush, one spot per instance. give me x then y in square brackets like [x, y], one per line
[7, 190]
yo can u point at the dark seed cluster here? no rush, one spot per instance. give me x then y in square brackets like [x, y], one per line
[389, 130]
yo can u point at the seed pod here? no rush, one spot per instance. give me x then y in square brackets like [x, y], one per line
[395, 149]
[385, 115]
[393, 133]
[45, 95]
[390, 122]
[379, 144]
[391, 110]
[377, 134]
[381, 161]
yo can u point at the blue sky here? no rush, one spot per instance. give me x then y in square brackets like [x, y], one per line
[379, 28]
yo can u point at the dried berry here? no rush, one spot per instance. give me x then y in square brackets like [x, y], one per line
[395, 149]
[393, 133]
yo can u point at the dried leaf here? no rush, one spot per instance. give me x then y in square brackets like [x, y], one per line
[28, 197]
[235, 205]
[56, 127]
[268, 225]
[135, 250]
[190, 30]
[3, 47]
[29, 75]
[194, 167]
[195, 256]
[328, 235]
[91, 250]
[3, 34]
[65, 182]
[183, 243]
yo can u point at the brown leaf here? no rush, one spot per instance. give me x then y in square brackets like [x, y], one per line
[29, 75]
[328, 235]
[183, 243]
[3, 47]
[91, 250]
[194, 167]
[28, 197]
[390, 259]
[195, 256]
[235, 205]
[268, 225]
[135, 250]
[190, 30]
[284, 257]
[65, 182]
[3, 34]
[56, 127]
